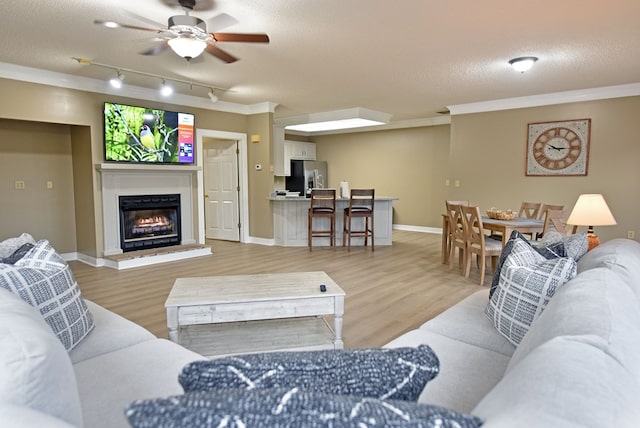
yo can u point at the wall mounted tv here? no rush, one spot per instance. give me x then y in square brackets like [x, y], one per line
[147, 135]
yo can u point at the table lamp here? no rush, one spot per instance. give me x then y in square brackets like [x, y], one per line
[591, 210]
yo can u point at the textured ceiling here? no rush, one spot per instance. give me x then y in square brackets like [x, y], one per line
[408, 58]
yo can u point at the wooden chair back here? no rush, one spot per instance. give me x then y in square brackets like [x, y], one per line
[545, 207]
[557, 220]
[529, 209]
[457, 234]
[323, 201]
[461, 202]
[478, 243]
[361, 202]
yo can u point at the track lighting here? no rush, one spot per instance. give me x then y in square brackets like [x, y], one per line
[523, 63]
[212, 96]
[117, 80]
[166, 89]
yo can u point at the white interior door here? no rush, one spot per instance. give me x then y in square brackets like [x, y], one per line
[221, 190]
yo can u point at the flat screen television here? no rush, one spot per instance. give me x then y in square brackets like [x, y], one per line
[147, 135]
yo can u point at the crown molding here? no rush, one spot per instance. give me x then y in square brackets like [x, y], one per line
[69, 81]
[582, 95]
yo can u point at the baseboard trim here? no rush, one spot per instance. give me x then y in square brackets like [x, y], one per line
[423, 229]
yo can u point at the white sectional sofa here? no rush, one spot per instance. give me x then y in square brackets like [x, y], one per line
[578, 366]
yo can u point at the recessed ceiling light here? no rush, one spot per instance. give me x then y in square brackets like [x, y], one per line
[334, 120]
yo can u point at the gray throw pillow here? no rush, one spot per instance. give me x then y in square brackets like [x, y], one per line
[282, 407]
[392, 373]
[17, 254]
[549, 249]
[527, 283]
[44, 280]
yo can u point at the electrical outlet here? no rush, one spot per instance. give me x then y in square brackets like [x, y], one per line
[49, 184]
[20, 185]
[447, 182]
[456, 183]
[631, 234]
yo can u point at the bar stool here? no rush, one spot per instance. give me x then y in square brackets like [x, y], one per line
[323, 205]
[360, 206]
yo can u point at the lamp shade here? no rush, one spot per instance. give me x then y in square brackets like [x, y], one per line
[591, 210]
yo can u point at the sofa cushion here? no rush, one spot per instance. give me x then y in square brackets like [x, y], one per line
[465, 321]
[34, 366]
[111, 381]
[619, 255]
[598, 308]
[398, 373]
[44, 280]
[111, 332]
[467, 372]
[527, 283]
[288, 407]
[564, 383]
[25, 417]
[9, 246]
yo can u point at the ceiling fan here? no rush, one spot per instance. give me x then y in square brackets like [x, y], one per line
[187, 36]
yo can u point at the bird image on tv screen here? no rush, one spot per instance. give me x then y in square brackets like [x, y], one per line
[139, 134]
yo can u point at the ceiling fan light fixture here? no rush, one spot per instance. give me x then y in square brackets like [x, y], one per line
[523, 63]
[166, 89]
[187, 47]
[116, 81]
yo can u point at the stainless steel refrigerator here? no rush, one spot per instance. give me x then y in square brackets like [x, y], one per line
[305, 175]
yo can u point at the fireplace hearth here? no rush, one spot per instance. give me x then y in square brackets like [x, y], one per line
[149, 221]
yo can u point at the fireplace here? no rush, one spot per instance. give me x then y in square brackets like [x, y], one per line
[149, 221]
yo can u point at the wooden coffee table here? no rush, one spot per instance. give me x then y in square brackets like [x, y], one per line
[225, 315]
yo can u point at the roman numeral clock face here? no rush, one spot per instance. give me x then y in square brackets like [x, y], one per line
[556, 150]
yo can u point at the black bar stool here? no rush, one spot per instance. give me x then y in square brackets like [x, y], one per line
[323, 205]
[360, 206]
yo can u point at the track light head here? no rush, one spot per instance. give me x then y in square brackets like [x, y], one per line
[212, 96]
[166, 89]
[116, 81]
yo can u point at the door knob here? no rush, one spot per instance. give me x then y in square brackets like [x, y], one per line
[206, 196]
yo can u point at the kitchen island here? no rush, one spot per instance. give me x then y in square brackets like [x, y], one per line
[290, 222]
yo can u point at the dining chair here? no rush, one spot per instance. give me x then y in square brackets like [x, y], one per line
[457, 237]
[360, 206]
[323, 205]
[529, 209]
[557, 220]
[477, 243]
[461, 202]
[542, 213]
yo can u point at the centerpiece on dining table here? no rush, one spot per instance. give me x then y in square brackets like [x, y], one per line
[501, 214]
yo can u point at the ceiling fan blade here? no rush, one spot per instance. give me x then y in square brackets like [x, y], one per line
[112, 24]
[241, 37]
[157, 49]
[219, 53]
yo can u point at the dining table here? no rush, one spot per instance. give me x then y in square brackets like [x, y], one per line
[504, 227]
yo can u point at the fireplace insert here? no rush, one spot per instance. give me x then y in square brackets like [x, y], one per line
[149, 221]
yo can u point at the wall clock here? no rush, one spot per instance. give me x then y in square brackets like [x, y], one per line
[558, 148]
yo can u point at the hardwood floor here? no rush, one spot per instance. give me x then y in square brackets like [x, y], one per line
[388, 292]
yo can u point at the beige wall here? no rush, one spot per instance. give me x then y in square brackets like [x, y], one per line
[260, 182]
[36, 153]
[488, 157]
[83, 110]
[409, 164]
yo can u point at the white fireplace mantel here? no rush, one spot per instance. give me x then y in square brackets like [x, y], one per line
[134, 179]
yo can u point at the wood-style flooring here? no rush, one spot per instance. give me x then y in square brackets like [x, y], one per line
[388, 292]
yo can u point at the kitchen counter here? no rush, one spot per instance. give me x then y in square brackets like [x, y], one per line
[290, 216]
